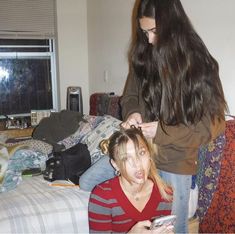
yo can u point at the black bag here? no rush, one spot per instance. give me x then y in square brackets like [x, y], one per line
[68, 164]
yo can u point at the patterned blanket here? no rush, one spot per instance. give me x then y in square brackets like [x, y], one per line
[15, 161]
[220, 215]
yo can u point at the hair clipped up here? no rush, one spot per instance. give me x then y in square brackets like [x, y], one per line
[104, 146]
[115, 145]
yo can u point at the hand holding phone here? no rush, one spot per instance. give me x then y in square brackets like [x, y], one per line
[165, 220]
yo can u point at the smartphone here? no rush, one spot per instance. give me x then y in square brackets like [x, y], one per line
[164, 220]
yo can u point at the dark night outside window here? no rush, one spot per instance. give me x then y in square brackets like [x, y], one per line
[26, 76]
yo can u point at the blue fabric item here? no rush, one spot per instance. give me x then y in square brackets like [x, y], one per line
[210, 157]
[21, 160]
[96, 174]
[194, 178]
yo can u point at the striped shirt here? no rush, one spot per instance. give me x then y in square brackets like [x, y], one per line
[111, 211]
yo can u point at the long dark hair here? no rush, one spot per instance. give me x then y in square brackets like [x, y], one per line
[179, 77]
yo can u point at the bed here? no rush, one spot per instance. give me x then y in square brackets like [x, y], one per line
[34, 205]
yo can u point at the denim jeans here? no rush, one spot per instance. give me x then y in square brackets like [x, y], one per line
[96, 174]
[181, 192]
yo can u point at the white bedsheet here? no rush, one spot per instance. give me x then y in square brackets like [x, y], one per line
[36, 207]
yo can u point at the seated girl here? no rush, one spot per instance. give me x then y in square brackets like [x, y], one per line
[127, 202]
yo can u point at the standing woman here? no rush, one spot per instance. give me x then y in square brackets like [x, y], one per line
[127, 202]
[174, 94]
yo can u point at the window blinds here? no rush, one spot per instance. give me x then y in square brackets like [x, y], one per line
[27, 19]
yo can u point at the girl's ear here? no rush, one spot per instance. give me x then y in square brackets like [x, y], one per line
[114, 165]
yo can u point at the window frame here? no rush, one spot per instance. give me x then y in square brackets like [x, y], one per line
[26, 55]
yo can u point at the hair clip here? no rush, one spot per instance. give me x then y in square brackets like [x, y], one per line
[133, 126]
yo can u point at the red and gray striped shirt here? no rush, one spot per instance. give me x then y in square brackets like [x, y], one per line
[111, 211]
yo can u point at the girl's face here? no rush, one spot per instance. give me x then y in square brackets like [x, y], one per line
[148, 26]
[136, 163]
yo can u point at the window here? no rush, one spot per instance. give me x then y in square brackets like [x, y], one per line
[27, 76]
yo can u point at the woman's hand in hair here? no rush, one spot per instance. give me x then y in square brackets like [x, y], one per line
[133, 119]
[149, 129]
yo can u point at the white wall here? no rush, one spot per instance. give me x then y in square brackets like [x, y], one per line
[72, 48]
[214, 21]
[109, 28]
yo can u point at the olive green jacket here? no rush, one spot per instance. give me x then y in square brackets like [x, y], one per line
[178, 149]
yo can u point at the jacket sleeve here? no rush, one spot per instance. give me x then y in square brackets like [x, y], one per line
[130, 99]
[189, 136]
[178, 146]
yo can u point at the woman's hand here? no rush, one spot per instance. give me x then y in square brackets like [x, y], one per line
[143, 227]
[165, 229]
[133, 119]
[149, 129]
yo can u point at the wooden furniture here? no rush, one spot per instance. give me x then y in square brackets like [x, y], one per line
[18, 132]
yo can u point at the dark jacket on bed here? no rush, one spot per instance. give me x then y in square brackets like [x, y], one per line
[57, 127]
[178, 149]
